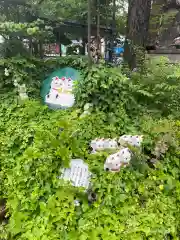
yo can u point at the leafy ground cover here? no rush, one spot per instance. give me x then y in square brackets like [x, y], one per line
[140, 202]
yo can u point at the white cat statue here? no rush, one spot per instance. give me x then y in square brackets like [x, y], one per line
[60, 92]
[134, 141]
[102, 144]
[120, 159]
[66, 98]
[53, 94]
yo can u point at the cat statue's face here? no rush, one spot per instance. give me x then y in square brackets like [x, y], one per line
[57, 83]
[68, 84]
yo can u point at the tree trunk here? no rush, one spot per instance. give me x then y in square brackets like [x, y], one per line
[137, 31]
[83, 49]
[30, 47]
[41, 52]
[35, 48]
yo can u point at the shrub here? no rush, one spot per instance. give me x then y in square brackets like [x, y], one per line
[155, 90]
[32, 71]
[158, 89]
[106, 88]
[139, 202]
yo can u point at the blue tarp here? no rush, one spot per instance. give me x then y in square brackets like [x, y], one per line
[118, 50]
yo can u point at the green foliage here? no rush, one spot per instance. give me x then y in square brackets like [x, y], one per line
[137, 203]
[35, 28]
[13, 47]
[23, 70]
[78, 62]
[156, 89]
[25, 146]
[75, 10]
[14, 33]
[159, 87]
[62, 10]
[106, 88]
[33, 71]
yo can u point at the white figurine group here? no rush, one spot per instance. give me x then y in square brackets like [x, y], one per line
[78, 172]
[61, 92]
[122, 158]
[80, 176]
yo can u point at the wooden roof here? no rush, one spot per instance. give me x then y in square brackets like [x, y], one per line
[81, 29]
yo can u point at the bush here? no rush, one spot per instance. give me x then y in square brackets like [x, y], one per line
[139, 202]
[156, 90]
[106, 88]
[32, 71]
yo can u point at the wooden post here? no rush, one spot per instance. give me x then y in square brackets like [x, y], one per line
[98, 24]
[41, 52]
[59, 41]
[98, 32]
[89, 33]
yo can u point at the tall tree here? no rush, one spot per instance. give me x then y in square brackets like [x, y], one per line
[137, 31]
